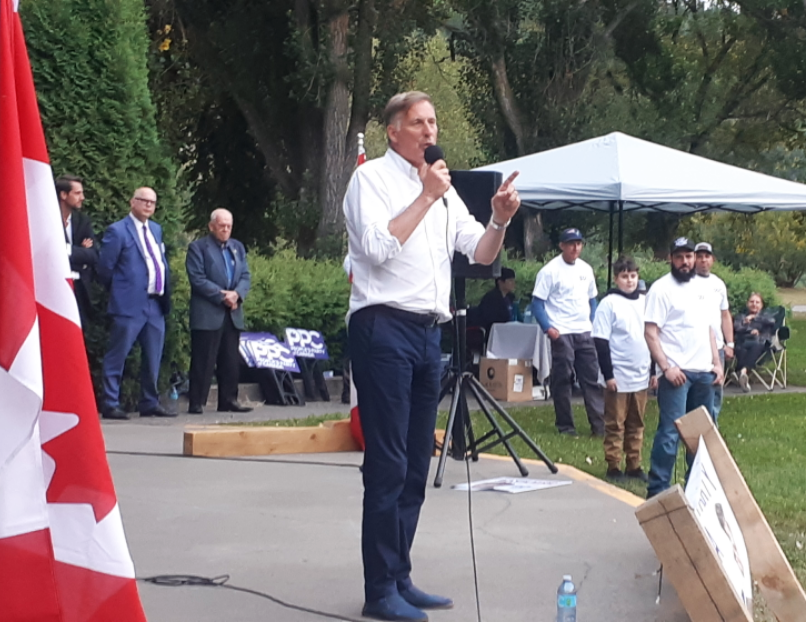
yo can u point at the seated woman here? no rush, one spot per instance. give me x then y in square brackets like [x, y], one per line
[752, 331]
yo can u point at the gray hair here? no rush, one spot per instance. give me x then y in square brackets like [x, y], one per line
[217, 212]
[400, 104]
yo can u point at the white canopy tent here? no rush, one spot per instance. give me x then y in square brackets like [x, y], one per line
[620, 173]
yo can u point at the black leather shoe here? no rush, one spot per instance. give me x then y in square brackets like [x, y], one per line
[114, 413]
[157, 411]
[233, 408]
[195, 410]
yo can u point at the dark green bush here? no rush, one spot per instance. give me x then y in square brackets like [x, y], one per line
[739, 283]
[286, 292]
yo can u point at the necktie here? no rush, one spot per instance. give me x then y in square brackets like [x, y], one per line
[157, 271]
[228, 264]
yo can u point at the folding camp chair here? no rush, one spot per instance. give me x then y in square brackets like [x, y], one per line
[770, 369]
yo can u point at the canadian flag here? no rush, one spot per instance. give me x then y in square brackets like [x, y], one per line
[63, 553]
[355, 419]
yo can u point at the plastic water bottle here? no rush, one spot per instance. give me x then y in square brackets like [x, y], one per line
[527, 315]
[173, 400]
[567, 600]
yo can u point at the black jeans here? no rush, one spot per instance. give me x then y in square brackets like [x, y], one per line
[576, 353]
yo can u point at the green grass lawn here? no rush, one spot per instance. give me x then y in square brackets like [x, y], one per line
[765, 433]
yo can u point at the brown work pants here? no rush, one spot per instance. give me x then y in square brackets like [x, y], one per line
[624, 428]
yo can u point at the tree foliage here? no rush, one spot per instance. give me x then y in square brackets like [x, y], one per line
[89, 64]
[302, 77]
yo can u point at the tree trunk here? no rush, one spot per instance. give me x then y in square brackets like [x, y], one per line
[533, 243]
[337, 116]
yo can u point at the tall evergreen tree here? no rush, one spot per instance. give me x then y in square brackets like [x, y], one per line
[89, 64]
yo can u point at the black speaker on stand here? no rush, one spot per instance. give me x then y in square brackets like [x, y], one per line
[476, 188]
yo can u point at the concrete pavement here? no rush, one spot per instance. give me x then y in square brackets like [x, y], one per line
[289, 526]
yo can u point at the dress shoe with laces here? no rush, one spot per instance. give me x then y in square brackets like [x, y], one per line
[157, 411]
[393, 607]
[416, 597]
[114, 413]
[195, 410]
[233, 408]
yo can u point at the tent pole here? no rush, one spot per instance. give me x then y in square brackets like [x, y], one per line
[620, 228]
[610, 247]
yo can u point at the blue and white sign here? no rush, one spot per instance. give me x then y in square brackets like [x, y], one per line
[307, 344]
[263, 350]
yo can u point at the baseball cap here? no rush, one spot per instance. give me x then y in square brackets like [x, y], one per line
[704, 247]
[569, 235]
[681, 244]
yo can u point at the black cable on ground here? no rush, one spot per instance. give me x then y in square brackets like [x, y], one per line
[177, 580]
[472, 539]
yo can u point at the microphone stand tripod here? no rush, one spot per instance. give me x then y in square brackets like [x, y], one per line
[460, 440]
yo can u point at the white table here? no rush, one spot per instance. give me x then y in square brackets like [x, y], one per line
[515, 340]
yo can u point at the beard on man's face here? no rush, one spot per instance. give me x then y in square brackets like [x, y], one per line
[682, 276]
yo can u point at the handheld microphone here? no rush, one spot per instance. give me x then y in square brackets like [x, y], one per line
[432, 154]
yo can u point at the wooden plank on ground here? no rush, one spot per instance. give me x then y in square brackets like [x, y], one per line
[768, 565]
[230, 441]
[689, 562]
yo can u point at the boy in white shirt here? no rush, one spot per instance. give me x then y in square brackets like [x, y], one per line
[618, 333]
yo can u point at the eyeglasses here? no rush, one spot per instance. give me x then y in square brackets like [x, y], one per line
[146, 201]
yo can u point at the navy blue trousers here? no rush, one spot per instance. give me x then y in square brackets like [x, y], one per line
[396, 370]
[149, 330]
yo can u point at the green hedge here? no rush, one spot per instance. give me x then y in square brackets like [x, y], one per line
[287, 291]
[739, 283]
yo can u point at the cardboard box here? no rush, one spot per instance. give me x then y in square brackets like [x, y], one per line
[508, 380]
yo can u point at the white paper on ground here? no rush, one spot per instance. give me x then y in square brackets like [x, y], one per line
[512, 484]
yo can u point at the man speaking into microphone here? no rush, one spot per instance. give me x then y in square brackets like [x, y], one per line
[404, 221]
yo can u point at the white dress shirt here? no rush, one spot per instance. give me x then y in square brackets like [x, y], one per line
[157, 248]
[68, 234]
[415, 276]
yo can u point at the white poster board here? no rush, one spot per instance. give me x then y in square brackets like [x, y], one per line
[706, 496]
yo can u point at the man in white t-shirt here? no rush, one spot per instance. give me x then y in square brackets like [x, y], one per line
[681, 341]
[563, 303]
[721, 320]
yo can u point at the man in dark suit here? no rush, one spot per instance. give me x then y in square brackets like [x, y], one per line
[133, 267]
[219, 281]
[80, 239]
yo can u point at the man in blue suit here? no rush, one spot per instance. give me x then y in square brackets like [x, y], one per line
[219, 281]
[133, 267]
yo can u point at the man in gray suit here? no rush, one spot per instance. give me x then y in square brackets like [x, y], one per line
[219, 282]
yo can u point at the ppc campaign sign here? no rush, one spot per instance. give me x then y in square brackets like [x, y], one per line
[263, 350]
[307, 344]
[706, 496]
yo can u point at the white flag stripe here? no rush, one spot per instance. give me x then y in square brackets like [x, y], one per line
[21, 391]
[51, 266]
[26, 368]
[80, 541]
[52, 425]
[23, 508]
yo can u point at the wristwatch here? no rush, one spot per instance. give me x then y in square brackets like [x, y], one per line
[729, 344]
[498, 227]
